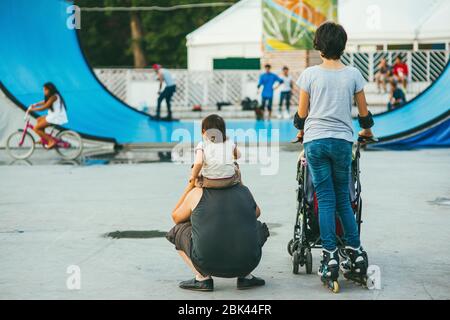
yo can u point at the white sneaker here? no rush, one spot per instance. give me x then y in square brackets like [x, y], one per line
[279, 115]
[286, 115]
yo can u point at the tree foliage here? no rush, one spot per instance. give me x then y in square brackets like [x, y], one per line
[106, 36]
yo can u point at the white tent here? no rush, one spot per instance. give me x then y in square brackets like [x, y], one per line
[395, 22]
[237, 32]
[436, 27]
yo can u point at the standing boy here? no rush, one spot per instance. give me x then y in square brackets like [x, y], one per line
[267, 80]
[324, 119]
[286, 93]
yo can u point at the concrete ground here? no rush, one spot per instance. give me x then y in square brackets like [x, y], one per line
[55, 216]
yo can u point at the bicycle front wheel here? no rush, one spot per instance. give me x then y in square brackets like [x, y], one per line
[70, 145]
[20, 146]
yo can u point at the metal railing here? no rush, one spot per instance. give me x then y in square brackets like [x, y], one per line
[424, 65]
[207, 88]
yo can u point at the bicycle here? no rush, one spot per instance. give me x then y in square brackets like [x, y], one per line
[21, 144]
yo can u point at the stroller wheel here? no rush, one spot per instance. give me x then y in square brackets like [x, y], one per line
[309, 262]
[295, 262]
[290, 247]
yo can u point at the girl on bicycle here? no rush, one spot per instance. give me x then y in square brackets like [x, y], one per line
[56, 115]
[324, 119]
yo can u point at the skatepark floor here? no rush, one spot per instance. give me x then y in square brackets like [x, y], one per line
[56, 216]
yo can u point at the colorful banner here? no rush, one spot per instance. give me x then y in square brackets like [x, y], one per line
[290, 24]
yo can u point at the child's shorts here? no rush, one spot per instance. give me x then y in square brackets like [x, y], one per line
[203, 182]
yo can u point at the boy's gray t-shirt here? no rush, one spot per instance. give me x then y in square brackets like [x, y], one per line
[331, 95]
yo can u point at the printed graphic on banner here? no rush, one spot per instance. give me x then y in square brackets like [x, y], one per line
[290, 24]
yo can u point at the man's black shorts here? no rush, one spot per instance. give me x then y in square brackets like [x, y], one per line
[181, 237]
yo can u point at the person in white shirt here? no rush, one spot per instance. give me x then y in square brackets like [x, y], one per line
[165, 77]
[286, 93]
[56, 114]
[215, 157]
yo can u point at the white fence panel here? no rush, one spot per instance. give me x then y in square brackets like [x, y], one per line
[139, 86]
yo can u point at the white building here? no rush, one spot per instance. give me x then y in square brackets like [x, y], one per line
[371, 25]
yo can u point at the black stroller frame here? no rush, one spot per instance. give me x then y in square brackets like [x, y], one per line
[306, 229]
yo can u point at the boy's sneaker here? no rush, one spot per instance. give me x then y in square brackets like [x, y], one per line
[279, 115]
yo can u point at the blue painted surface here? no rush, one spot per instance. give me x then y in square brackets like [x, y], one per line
[437, 136]
[430, 105]
[36, 46]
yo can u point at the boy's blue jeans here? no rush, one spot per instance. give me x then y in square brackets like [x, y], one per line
[329, 161]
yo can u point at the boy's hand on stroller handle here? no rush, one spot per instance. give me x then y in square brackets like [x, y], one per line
[366, 136]
[299, 138]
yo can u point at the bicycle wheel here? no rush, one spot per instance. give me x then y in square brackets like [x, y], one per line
[17, 150]
[70, 145]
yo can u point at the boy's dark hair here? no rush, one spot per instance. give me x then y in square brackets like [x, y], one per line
[214, 127]
[285, 68]
[330, 40]
[268, 66]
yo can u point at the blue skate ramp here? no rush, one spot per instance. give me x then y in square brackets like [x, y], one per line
[423, 122]
[37, 46]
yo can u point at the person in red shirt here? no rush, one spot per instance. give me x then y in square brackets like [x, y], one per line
[401, 71]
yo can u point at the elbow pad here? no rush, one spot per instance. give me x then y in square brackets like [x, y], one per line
[299, 123]
[366, 122]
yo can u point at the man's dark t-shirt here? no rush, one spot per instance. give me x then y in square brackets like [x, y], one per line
[225, 240]
[399, 96]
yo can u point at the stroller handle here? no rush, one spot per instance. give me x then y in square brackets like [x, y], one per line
[367, 140]
[297, 140]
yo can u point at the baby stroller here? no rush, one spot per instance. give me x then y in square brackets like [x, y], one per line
[306, 230]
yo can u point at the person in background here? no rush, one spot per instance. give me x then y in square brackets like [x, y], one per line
[382, 76]
[401, 72]
[397, 98]
[286, 93]
[164, 77]
[56, 113]
[267, 80]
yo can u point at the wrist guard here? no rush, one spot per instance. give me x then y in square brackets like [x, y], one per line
[299, 123]
[366, 122]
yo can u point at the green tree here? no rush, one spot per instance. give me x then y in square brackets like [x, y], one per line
[136, 28]
[139, 38]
